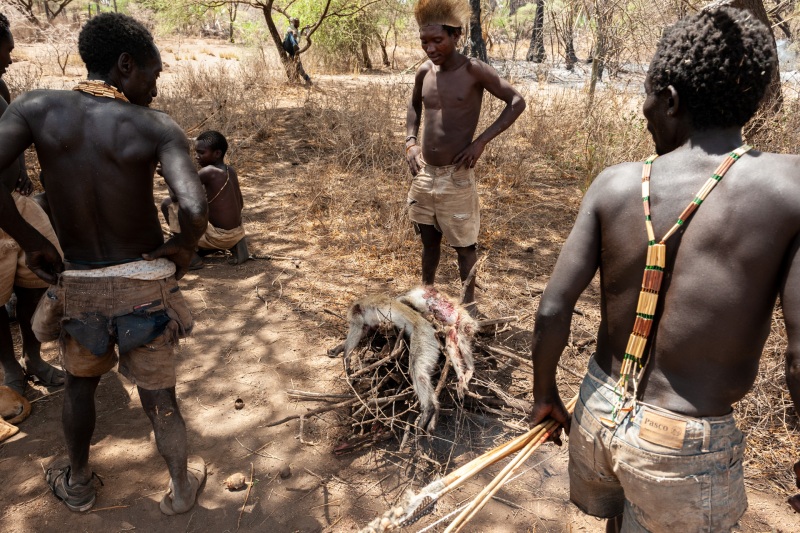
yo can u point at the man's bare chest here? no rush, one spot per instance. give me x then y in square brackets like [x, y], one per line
[444, 90]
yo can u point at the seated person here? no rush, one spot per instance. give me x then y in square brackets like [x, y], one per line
[225, 230]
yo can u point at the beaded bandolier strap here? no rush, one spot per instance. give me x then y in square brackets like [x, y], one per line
[99, 88]
[632, 368]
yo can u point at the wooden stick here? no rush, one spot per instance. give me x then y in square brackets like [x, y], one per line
[246, 496]
[496, 321]
[536, 439]
[396, 352]
[306, 395]
[317, 411]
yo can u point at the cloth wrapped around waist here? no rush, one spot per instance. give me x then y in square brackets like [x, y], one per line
[95, 311]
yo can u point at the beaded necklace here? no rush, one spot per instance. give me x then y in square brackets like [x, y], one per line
[632, 369]
[99, 88]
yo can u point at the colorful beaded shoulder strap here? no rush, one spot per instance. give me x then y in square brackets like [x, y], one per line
[632, 369]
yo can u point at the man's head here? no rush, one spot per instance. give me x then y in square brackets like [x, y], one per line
[440, 25]
[714, 66]
[210, 148]
[295, 22]
[120, 50]
[6, 44]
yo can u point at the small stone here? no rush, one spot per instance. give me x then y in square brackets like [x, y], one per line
[285, 472]
[529, 249]
[235, 481]
[238, 404]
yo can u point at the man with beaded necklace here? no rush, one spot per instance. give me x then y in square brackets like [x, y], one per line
[99, 145]
[653, 444]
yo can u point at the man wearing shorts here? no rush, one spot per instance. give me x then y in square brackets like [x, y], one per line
[443, 199]
[98, 145]
[693, 249]
[15, 276]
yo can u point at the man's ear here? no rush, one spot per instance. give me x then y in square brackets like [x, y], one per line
[673, 101]
[125, 64]
[218, 155]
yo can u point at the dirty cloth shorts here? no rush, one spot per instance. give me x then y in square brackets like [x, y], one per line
[13, 270]
[89, 316]
[447, 199]
[214, 238]
[692, 481]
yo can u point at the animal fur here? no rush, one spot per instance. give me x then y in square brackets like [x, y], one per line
[446, 12]
[455, 322]
[382, 312]
[13, 407]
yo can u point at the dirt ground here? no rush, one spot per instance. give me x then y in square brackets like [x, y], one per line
[262, 328]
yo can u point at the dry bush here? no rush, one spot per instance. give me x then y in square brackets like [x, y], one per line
[236, 100]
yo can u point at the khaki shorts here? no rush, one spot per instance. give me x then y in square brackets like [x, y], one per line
[90, 316]
[658, 481]
[13, 270]
[447, 199]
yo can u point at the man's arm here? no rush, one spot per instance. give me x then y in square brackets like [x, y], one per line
[413, 120]
[574, 270]
[501, 89]
[183, 182]
[790, 301]
[41, 256]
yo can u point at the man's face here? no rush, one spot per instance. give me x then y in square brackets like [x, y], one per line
[140, 87]
[437, 43]
[654, 112]
[6, 46]
[204, 155]
[296, 23]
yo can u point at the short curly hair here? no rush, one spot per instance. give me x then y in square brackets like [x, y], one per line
[215, 141]
[720, 61]
[5, 27]
[105, 37]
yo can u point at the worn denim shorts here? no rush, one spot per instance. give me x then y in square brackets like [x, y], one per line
[447, 199]
[661, 470]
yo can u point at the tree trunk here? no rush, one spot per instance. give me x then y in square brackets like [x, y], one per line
[365, 60]
[477, 46]
[536, 48]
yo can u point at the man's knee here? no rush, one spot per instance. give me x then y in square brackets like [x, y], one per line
[466, 251]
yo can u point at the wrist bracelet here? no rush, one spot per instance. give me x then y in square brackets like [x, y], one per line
[409, 147]
[411, 137]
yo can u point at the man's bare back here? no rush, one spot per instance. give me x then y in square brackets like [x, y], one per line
[224, 196]
[722, 276]
[103, 178]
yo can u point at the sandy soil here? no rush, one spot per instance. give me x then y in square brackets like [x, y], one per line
[262, 328]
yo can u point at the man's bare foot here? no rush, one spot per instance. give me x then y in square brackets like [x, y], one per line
[16, 381]
[174, 503]
[197, 263]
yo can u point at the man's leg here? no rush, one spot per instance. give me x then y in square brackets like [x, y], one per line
[431, 252]
[13, 374]
[161, 407]
[165, 208]
[614, 525]
[467, 257]
[47, 374]
[77, 420]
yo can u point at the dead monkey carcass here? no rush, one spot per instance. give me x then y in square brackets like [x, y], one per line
[420, 314]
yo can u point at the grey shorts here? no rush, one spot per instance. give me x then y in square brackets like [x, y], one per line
[679, 474]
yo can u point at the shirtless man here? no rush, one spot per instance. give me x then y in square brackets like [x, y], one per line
[15, 277]
[664, 453]
[225, 203]
[101, 142]
[443, 199]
